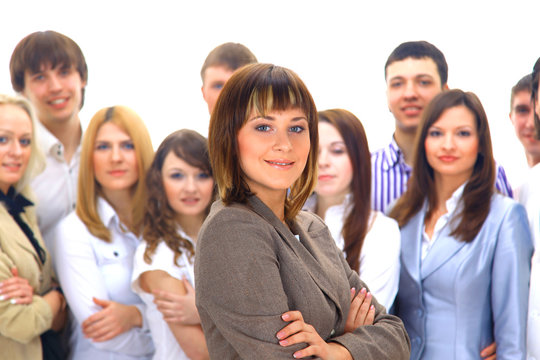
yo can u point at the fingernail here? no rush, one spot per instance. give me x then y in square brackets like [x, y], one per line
[13, 301]
[363, 291]
[296, 355]
[2, 297]
[372, 307]
[283, 342]
[280, 335]
[285, 317]
[369, 294]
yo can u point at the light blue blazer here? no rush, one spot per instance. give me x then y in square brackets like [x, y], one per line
[463, 296]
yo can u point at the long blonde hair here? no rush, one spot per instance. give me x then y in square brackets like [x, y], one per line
[88, 190]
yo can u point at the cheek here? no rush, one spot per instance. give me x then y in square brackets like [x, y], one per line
[206, 191]
[171, 188]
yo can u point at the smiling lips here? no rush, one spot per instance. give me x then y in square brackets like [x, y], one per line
[412, 110]
[325, 177]
[448, 158]
[190, 200]
[12, 166]
[280, 164]
[117, 173]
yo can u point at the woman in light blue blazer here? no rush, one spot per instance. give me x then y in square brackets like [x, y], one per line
[465, 251]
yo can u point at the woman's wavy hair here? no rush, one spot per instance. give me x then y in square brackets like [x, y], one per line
[356, 224]
[88, 187]
[476, 198]
[263, 88]
[36, 162]
[159, 218]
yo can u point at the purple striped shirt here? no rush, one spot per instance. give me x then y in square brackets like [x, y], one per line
[389, 176]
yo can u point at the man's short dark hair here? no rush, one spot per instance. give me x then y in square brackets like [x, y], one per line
[230, 55]
[524, 84]
[45, 47]
[420, 50]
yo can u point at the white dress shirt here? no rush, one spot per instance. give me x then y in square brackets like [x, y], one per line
[379, 257]
[529, 196]
[55, 188]
[89, 267]
[163, 259]
[451, 205]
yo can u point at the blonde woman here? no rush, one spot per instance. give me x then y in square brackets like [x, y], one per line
[94, 246]
[29, 304]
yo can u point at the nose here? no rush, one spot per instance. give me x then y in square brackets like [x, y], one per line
[410, 90]
[116, 154]
[323, 158]
[15, 148]
[54, 83]
[448, 142]
[190, 184]
[282, 141]
[529, 124]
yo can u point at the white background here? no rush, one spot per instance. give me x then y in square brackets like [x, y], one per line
[148, 54]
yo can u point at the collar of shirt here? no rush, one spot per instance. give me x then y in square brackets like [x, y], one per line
[394, 157]
[451, 206]
[50, 145]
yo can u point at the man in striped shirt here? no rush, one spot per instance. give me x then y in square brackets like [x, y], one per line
[415, 73]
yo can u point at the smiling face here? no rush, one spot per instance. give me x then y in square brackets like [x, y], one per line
[114, 159]
[15, 140]
[522, 117]
[452, 145]
[273, 150]
[335, 167]
[56, 93]
[189, 189]
[215, 78]
[410, 85]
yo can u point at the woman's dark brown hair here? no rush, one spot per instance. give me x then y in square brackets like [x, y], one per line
[263, 88]
[476, 198]
[159, 218]
[356, 224]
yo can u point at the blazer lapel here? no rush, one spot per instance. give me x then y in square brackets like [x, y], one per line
[15, 234]
[411, 240]
[443, 249]
[305, 250]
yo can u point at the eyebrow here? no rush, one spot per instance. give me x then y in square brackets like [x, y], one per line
[270, 118]
[9, 132]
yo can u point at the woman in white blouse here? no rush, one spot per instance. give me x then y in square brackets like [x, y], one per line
[94, 246]
[180, 191]
[369, 239]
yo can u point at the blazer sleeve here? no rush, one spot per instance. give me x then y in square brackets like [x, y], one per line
[385, 339]
[510, 283]
[18, 322]
[81, 280]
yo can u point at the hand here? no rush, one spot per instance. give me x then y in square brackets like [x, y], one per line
[361, 311]
[17, 289]
[113, 320]
[178, 309]
[297, 331]
[489, 352]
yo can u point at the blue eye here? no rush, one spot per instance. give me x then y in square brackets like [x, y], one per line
[464, 133]
[203, 176]
[297, 129]
[128, 146]
[3, 140]
[218, 86]
[434, 133]
[425, 82]
[25, 142]
[262, 128]
[176, 176]
[102, 146]
[396, 84]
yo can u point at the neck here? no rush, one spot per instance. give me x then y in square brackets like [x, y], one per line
[405, 142]
[276, 203]
[325, 202]
[532, 159]
[120, 200]
[445, 186]
[191, 224]
[68, 133]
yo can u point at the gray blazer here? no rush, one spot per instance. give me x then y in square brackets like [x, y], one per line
[250, 268]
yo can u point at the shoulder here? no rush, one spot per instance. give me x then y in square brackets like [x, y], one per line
[502, 205]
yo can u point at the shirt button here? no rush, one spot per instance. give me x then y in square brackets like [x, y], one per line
[332, 332]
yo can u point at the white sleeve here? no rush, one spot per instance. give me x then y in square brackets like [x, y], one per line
[379, 259]
[81, 280]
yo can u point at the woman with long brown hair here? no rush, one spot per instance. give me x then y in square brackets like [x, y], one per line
[465, 250]
[369, 239]
[180, 191]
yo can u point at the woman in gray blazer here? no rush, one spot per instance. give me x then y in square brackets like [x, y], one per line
[271, 283]
[465, 251]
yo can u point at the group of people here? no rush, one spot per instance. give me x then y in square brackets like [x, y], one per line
[280, 236]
